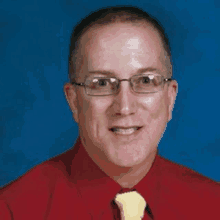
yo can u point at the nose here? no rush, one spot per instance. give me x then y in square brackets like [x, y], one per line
[125, 100]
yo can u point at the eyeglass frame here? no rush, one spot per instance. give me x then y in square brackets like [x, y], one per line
[119, 83]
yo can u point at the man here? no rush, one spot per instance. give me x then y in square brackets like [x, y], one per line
[121, 95]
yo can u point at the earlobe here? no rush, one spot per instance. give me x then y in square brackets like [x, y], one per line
[75, 116]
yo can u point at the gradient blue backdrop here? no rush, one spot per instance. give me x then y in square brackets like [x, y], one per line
[35, 120]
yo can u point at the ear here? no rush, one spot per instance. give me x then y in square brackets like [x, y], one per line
[172, 93]
[71, 97]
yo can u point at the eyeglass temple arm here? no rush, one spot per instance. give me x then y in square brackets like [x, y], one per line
[78, 84]
[168, 79]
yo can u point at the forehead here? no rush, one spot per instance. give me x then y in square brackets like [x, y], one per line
[120, 32]
[124, 46]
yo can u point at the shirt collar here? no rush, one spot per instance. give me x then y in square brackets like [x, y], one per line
[94, 185]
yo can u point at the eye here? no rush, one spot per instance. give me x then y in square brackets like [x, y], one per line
[145, 80]
[150, 80]
[99, 83]
[102, 82]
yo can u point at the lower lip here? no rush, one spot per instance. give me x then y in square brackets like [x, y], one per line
[128, 137]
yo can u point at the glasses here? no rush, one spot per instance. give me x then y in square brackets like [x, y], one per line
[103, 86]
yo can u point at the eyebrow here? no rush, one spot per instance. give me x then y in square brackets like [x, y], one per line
[139, 71]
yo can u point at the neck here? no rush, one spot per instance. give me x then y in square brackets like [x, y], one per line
[126, 177]
[134, 174]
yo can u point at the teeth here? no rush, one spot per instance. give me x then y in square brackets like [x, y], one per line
[125, 131]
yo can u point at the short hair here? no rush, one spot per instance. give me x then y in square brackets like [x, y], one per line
[107, 16]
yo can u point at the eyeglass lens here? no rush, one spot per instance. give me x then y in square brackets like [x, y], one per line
[107, 86]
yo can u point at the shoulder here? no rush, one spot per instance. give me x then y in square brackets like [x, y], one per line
[42, 174]
[186, 177]
[187, 188]
[36, 185]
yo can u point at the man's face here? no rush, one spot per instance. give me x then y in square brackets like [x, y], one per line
[122, 50]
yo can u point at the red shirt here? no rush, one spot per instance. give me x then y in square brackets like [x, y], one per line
[72, 186]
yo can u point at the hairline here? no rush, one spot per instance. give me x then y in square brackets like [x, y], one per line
[141, 22]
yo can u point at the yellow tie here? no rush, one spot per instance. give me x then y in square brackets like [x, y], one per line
[131, 205]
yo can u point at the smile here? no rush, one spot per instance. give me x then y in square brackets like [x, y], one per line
[124, 131]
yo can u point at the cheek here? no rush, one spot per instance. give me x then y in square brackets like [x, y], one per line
[155, 107]
[93, 110]
[156, 118]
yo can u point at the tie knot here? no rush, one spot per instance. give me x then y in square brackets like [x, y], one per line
[131, 205]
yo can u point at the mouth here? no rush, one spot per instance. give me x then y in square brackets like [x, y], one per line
[125, 130]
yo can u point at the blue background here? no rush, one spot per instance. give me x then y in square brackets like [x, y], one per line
[35, 119]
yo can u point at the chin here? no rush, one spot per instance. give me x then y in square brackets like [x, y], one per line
[127, 155]
[128, 164]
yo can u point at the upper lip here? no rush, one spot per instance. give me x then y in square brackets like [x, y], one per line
[125, 127]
